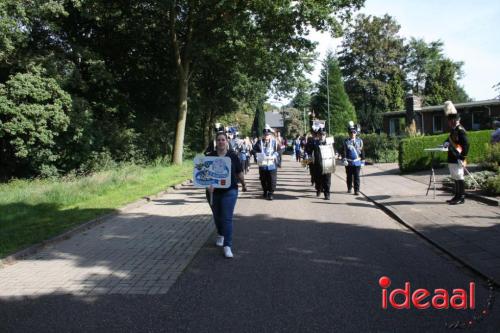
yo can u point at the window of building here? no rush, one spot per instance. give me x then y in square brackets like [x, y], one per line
[437, 123]
[479, 120]
[396, 126]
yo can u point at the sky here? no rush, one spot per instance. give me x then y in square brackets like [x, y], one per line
[469, 29]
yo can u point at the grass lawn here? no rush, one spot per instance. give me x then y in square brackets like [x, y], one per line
[35, 210]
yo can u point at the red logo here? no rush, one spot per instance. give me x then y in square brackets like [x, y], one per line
[459, 299]
[223, 182]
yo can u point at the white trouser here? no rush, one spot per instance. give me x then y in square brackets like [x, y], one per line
[456, 171]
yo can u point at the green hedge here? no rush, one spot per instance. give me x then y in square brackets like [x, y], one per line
[378, 148]
[412, 156]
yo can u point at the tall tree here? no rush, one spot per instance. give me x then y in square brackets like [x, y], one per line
[422, 57]
[341, 109]
[372, 59]
[302, 98]
[442, 85]
[271, 33]
[431, 75]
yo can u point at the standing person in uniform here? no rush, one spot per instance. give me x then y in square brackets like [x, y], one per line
[224, 199]
[322, 181]
[241, 150]
[296, 146]
[354, 158]
[308, 152]
[281, 147]
[458, 147]
[268, 172]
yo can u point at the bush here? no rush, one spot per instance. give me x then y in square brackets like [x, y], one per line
[492, 158]
[492, 185]
[378, 148]
[412, 156]
[33, 113]
[482, 178]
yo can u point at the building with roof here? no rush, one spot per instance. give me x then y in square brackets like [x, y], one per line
[275, 120]
[476, 115]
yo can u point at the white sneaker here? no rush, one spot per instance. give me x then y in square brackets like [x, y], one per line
[227, 252]
[219, 241]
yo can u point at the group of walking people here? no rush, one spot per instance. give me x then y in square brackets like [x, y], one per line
[319, 154]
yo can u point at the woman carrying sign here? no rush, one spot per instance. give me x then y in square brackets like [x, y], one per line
[224, 199]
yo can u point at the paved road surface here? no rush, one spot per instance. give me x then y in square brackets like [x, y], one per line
[301, 264]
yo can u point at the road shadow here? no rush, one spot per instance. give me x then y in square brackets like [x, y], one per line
[287, 274]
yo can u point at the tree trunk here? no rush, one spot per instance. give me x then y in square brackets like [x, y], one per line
[182, 60]
[181, 121]
[207, 127]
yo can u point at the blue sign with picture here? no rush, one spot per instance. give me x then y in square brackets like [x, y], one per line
[212, 170]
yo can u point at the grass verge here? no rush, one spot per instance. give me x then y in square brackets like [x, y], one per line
[34, 210]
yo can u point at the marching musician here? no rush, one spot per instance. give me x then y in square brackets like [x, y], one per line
[458, 147]
[243, 152]
[322, 181]
[268, 150]
[354, 158]
[308, 152]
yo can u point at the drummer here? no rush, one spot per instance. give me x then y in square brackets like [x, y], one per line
[322, 181]
[268, 150]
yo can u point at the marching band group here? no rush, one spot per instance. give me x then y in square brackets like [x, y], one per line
[315, 152]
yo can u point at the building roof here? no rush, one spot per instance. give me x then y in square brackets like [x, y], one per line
[274, 119]
[488, 102]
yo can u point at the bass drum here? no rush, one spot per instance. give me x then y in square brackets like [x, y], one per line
[327, 158]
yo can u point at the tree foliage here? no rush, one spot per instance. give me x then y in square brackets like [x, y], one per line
[33, 112]
[372, 59]
[380, 68]
[433, 76]
[341, 109]
[145, 77]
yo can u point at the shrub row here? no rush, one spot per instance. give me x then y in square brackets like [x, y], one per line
[412, 156]
[378, 148]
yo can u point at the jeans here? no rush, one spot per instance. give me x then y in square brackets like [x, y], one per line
[223, 209]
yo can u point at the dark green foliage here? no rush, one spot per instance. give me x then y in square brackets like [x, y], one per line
[378, 148]
[371, 60]
[341, 109]
[33, 113]
[259, 120]
[412, 156]
[441, 84]
[492, 185]
[492, 157]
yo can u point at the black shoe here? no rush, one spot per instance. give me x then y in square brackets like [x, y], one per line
[457, 201]
[318, 193]
[270, 196]
[349, 190]
[452, 199]
[265, 195]
[356, 193]
[327, 196]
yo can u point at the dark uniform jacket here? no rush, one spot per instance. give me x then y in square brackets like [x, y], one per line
[459, 145]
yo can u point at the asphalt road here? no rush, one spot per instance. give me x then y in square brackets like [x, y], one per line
[302, 264]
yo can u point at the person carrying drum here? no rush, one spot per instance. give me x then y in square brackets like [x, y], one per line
[354, 158]
[267, 156]
[323, 163]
